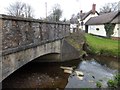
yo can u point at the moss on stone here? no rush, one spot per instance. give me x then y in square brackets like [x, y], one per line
[77, 40]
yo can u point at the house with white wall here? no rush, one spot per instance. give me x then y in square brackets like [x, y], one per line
[73, 24]
[96, 24]
[116, 21]
[84, 17]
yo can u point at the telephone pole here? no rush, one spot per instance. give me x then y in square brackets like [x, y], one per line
[46, 9]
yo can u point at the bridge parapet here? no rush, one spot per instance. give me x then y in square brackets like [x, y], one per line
[20, 32]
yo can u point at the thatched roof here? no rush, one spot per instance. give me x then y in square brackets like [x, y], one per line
[74, 20]
[117, 19]
[85, 15]
[102, 19]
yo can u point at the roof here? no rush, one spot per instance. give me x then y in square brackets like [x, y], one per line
[85, 15]
[101, 19]
[117, 19]
[74, 20]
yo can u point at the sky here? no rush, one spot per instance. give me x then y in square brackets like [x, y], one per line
[68, 7]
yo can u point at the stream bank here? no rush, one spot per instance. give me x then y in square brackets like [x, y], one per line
[102, 46]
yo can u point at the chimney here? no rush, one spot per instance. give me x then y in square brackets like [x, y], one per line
[93, 8]
[81, 12]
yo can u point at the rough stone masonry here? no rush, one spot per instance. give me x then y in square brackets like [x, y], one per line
[22, 40]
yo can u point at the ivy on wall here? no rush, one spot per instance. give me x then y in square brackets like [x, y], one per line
[109, 28]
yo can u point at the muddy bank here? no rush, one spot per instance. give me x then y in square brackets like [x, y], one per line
[77, 40]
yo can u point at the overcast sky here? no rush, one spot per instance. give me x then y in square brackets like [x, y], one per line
[69, 7]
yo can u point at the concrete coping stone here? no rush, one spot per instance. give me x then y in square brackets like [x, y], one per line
[24, 47]
[8, 17]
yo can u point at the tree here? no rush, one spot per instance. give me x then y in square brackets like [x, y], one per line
[74, 19]
[109, 28]
[56, 13]
[20, 9]
[109, 7]
[28, 11]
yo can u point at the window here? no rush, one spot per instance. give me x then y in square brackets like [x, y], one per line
[117, 28]
[97, 29]
[82, 23]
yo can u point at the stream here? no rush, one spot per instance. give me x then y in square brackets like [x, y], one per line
[50, 75]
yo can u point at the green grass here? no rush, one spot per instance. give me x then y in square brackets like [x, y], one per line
[103, 46]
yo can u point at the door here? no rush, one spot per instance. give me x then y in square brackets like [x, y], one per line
[86, 28]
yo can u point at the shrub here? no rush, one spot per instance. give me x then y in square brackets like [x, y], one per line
[112, 83]
[117, 79]
[109, 28]
[99, 84]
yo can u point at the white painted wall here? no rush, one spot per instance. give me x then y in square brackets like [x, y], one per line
[86, 19]
[72, 26]
[100, 32]
[116, 31]
[91, 15]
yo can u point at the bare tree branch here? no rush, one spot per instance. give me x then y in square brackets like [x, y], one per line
[20, 9]
[56, 13]
[109, 7]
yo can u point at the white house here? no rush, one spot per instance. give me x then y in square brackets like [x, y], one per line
[84, 17]
[116, 21]
[96, 24]
[73, 27]
[73, 24]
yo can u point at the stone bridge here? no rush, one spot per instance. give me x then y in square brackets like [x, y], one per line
[23, 40]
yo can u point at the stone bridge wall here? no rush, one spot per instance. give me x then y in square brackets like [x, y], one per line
[20, 33]
[22, 40]
[12, 62]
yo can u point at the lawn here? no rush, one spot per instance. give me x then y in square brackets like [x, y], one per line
[103, 46]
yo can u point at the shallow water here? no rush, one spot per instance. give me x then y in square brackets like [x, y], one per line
[50, 75]
[93, 72]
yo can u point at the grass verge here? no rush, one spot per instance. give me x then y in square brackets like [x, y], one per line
[103, 46]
